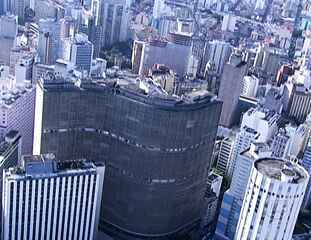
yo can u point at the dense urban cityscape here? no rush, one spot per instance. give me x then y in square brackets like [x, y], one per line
[155, 119]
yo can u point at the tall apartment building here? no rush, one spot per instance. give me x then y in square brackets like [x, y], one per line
[218, 53]
[233, 198]
[258, 124]
[225, 154]
[250, 86]
[43, 199]
[154, 145]
[272, 201]
[243, 140]
[114, 17]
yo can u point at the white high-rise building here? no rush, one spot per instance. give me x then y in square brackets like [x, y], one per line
[225, 154]
[243, 140]
[258, 124]
[233, 198]
[272, 201]
[45, 200]
[250, 86]
[263, 121]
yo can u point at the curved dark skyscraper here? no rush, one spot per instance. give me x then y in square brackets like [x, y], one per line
[157, 149]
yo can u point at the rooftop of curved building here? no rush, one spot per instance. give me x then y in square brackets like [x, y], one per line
[131, 86]
[281, 170]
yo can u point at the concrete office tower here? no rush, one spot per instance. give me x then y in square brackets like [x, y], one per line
[49, 41]
[46, 200]
[231, 87]
[269, 60]
[82, 52]
[17, 113]
[151, 145]
[233, 198]
[175, 54]
[250, 86]
[272, 201]
[218, 54]
[115, 17]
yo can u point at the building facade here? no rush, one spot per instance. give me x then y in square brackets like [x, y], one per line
[42, 200]
[272, 201]
[156, 150]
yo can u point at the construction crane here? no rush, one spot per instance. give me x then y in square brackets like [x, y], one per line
[296, 32]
